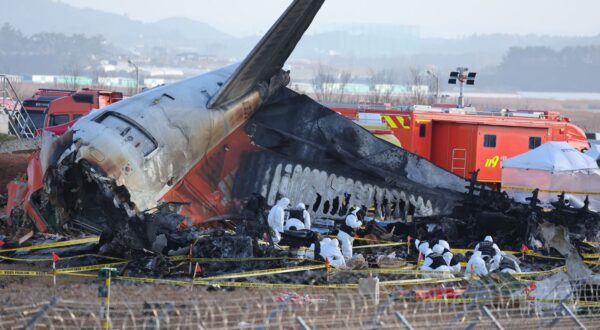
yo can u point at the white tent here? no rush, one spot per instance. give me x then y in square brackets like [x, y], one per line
[553, 167]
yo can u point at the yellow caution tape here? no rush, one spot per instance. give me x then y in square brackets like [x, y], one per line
[152, 280]
[61, 258]
[93, 239]
[88, 268]
[463, 251]
[421, 281]
[538, 255]
[539, 273]
[409, 270]
[591, 193]
[378, 245]
[9, 272]
[289, 286]
[208, 260]
[531, 254]
[370, 240]
[591, 255]
[581, 303]
[265, 272]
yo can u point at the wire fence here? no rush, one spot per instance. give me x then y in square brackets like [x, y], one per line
[269, 298]
[168, 307]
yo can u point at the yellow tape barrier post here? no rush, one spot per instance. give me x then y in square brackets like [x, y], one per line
[104, 292]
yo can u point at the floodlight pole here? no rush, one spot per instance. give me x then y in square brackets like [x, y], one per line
[461, 97]
[461, 78]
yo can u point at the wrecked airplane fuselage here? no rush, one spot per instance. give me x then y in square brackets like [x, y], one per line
[292, 146]
[187, 143]
[149, 142]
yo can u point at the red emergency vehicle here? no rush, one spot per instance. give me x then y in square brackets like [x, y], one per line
[78, 104]
[37, 105]
[463, 140]
[56, 107]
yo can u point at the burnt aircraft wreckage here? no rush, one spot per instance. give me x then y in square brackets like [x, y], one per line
[194, 152]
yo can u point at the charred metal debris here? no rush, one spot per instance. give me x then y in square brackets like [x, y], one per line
[307, 153]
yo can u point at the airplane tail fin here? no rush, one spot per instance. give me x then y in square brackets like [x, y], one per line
[269, 55]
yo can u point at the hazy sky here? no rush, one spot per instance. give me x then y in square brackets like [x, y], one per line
[439, 18]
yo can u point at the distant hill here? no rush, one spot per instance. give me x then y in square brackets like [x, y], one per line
[33, 16]
[55, 36]
[348, 41]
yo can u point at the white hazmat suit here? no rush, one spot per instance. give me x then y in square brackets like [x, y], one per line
[295, 223]
[276, 219]
[489, 250]
[506, 264]
[476, 265]
[346, 238]
[300, 224]
[330, 250]
[445, 250]
[422, 246]
[434, 261]
[305, 215]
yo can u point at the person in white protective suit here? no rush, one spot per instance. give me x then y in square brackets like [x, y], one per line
[422, 246]
[294, 224]
[299, 218]
[276, 219]
[507, 264]
[476, 265]
[348, 230]
[490, 252]
[330, 250]
[305, 215]
[445, 250]
[454, 264]
[434, 261]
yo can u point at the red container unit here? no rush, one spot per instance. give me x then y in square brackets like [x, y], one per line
[464, 140]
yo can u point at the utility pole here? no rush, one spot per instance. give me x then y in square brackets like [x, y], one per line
[462, 76]
[137, 76]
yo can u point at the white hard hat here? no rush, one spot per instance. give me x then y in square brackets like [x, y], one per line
[488, 239]
[444, 244]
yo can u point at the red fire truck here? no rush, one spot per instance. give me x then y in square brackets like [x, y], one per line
[55, 107]
[37, 105]
[463, 140]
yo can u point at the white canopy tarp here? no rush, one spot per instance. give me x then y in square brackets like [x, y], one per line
[553, 157]
[553, 167]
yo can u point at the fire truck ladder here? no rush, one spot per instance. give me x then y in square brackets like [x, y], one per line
[459, 161]
[19, 122]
